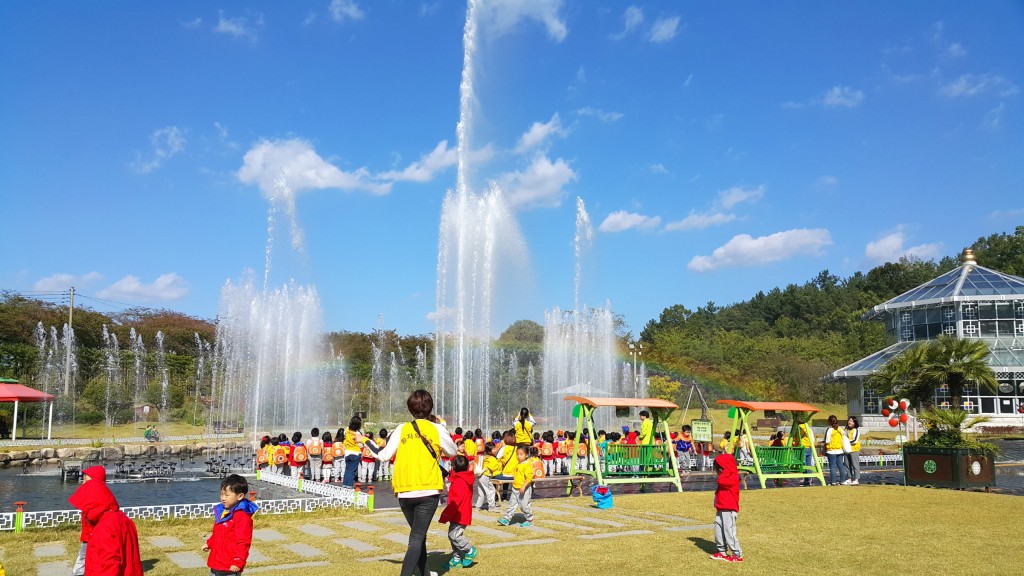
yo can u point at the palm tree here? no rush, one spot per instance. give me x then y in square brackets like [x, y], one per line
[958, 363]
[901, 375]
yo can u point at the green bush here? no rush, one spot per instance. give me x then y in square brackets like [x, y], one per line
[90, 417]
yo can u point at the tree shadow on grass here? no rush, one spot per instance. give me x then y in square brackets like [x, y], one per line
[704, 544]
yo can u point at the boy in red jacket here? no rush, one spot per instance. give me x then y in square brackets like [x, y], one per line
[110, 541]
[232, 528]
[459, 512]
[727, 502]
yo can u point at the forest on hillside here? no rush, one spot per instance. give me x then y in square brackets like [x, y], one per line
[776, 345]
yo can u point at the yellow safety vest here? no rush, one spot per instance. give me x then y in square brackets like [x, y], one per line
[415, 468]
[850, 432]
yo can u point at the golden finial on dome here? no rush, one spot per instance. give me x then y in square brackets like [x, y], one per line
[968, 256]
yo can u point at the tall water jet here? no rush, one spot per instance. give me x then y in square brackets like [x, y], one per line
[272, 364]
[477, 232]
[579, 345]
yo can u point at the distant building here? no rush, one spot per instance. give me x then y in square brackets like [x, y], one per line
[968, 302]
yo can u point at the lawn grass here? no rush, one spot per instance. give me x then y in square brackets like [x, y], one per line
[848, 530]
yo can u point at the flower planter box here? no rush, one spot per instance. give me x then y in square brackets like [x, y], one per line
[948, 468]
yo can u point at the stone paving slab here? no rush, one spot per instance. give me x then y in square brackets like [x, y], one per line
[268, 535]
[602, 522]
[53, 569]
[539, 529]
[392, 520]
[49, 549]
[689, 527]
[398, 556]
[669, 517]
[187, 559]
[281, 567]
[256, 557]
[397, 538]
[166, 542]
[357, 545]
[551, 511]
[614, 534]
[304, 550]
[474, 529]
[533, 542]
[316, 530]
[568, 525]
[363, 526]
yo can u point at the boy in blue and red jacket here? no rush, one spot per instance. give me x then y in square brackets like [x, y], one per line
[727, 503]
[232, 528]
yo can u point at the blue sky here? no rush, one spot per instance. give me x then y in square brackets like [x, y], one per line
[720, 148]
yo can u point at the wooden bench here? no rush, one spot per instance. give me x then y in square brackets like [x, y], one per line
[575, 482]
[767, 423]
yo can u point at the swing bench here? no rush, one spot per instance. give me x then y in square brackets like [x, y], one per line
[626, 463]
[777, 462]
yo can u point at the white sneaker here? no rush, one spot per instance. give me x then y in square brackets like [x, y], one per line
[855, 482]
[847, 482]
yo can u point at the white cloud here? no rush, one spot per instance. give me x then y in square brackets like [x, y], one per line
[975, 84]
[345, 9]
[539, 133]
[744, 250]
[826, 181]
[843, 96]
[428, 9]
[657, 168]
[633, 17]
[600, 114]
[727, 199]
[993, 118]
[889, 248]
[700, 221]
[193, 24]
[302, 169]
[61, 282]
[664, 29]
[622, 220]
[540, 185]
[165, 287]
[424, 170]
[166, 143]
[240, 27]
[956, 50]
[501, 16]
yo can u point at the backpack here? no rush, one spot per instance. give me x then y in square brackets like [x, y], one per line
[546, 449]
[262, 457]
[538, 468]
[314, 447]
[299, 454]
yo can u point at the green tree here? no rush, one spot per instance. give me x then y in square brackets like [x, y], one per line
[524, 331]
[958, 362]
[1002, 252]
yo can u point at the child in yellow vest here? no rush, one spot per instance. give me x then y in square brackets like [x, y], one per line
[522, 489]
[489, 468]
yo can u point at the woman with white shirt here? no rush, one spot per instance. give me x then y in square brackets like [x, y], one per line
[417, 479]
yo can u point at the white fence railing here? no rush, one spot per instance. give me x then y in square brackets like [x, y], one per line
[331, 497]
[61, 442]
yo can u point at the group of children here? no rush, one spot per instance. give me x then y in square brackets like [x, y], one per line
[110, 540]
[325, 457]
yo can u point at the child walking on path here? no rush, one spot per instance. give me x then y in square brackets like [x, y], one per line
[459, 513]
[727, 503]
[522, 489]
[232, 528]
[110, 542]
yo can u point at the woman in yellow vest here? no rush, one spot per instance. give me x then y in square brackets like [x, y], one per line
[834, 453]
[523, 425]
[852, 432]
[417, 447]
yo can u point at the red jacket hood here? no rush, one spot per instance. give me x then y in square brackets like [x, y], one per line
[94, 499]
[466, 477]
[727, 463]
[96, 473]
[727, 494]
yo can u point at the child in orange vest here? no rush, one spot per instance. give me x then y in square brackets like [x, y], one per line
[297, 456]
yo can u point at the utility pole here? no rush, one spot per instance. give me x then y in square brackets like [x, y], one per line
[67, 360]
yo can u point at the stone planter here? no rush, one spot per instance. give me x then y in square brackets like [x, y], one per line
[948, 468]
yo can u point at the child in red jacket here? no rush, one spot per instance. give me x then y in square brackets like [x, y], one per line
[459, 512]
[232, 528]
[727, 503]
[110, 541]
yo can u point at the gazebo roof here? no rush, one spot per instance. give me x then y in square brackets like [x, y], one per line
[966, 283]
[11, 391]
